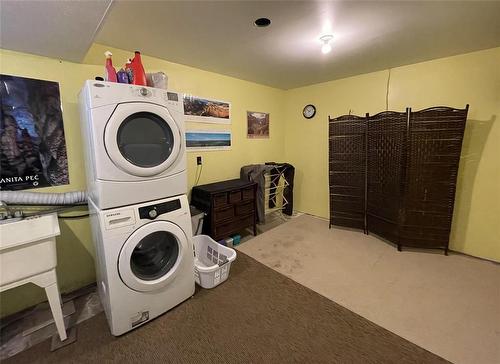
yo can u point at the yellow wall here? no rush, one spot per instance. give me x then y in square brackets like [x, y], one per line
[74, 246]
[472, 78]
[244, 96]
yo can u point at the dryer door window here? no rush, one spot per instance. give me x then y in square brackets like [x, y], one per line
[151, 256]
[145, 139]
[142, 139]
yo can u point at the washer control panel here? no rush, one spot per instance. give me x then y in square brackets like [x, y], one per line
[151, 212]
[118, 219]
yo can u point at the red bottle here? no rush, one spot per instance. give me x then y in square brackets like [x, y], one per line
[138, 70]
[109, 70]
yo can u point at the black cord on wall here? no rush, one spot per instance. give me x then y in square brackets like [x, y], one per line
[73, 216]
[199, 174]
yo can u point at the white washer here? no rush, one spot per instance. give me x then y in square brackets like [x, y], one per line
[134, 143]
[144, 260]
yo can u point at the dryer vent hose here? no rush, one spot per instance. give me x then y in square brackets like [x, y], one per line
[35, 198]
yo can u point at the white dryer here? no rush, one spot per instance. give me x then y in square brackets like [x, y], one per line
[144, 260]
[134, 143]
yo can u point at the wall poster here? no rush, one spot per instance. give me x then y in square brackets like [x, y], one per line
[32, 143]
[207, 140]
[204, 110]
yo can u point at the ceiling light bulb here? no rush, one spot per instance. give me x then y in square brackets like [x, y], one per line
[326, 48]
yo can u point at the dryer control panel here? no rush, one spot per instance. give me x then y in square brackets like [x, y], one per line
[173, 98]
[151, 212]
[142, 91]
[100, 93]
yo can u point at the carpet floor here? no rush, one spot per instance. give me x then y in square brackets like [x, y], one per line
[449, 305]
[257, 316]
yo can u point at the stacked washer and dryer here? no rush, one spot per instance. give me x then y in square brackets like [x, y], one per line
[137, 184]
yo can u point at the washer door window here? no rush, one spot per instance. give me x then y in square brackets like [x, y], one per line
[150, 257]
[142, 139]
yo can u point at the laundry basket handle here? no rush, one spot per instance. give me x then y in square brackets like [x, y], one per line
[223, 263]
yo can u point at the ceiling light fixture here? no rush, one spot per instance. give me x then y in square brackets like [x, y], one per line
[262, 22]
[326, 48]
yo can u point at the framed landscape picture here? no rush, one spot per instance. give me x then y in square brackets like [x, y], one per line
[208, 140]
[205, 110]
[257, 125]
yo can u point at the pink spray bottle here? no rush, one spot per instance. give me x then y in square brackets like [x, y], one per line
[109, 70]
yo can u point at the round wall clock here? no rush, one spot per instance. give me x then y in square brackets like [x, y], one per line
[309, 111]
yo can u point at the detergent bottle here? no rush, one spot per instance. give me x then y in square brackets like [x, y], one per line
[138, 70]
[109, 70]
[128, 70]
[122, 76]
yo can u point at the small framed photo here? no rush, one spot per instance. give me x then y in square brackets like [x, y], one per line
[257, 125]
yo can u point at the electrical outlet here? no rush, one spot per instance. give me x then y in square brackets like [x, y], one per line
[198, 161]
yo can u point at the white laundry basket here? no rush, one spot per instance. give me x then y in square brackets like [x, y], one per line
[212, 261]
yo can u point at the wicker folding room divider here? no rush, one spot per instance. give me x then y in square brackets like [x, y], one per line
[394, 174]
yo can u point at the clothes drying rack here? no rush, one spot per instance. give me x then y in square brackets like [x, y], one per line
[275, 184]
[274, 188]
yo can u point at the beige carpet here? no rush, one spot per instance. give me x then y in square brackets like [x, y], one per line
[449, 305]
[257, 316]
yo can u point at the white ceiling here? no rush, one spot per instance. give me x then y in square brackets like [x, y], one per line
[220, 36]
[59, 29]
